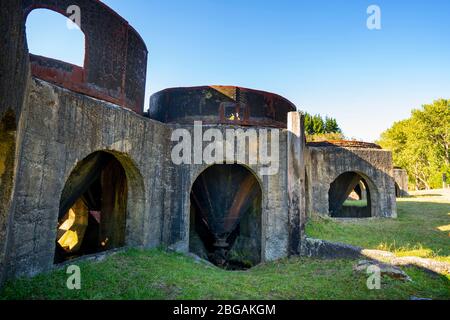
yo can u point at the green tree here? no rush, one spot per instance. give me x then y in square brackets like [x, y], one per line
[309, 128]
[331, 126]
[319, 129]
[318, 124]
[421, 144]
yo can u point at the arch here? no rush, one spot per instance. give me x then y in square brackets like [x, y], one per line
[225, 216]
[121, 82]
[100, 206]
[352, 195]
[52, 35]
[7, 162]
[360, 191]
[242, 164]
[398, 192]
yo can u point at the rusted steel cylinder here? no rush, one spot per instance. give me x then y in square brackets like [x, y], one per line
[220, 105]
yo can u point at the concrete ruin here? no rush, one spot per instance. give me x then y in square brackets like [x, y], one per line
[401, 183]
[84, 169]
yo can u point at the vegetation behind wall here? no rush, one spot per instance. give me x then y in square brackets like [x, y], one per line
[421, 144]
[318, 128]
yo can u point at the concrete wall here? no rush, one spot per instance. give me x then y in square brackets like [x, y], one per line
[325, 164]
[296, 183]
[14, 78]
[54, 129]
[401, 180]
[275, 226]
[62, 128]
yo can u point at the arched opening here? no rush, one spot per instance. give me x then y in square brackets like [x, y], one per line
[398, 192]
[349, 196]
[93, 208]
[7, 157]
[359, 193]
[52, 35]
[226, 217]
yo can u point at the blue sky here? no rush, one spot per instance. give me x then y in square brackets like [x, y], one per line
[318, 54]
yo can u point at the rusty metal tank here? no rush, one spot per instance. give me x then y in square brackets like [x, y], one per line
[220, 105]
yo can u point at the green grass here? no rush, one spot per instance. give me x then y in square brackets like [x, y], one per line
[158, 274]
[422, 229]
[355, 203]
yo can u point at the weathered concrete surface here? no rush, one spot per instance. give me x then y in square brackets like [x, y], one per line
[328, 250]
[275, 226]
[383, 269]
[14, 76]
[14, 64]
[62, 128]
[296, 179]
[401, 182]
[325, 164]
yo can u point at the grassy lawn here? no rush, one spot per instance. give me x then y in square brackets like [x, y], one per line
[355, 203]
[157, 274]
[422, 229]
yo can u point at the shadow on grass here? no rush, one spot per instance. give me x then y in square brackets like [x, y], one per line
[424, 272]
[417, 233]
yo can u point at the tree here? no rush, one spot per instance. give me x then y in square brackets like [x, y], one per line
[331, 126]
[318, 125]
[421, 144]
[319, 129]
[309, 128]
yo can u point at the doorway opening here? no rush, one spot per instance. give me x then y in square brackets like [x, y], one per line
[225, 217]
[93, 208]
[349, 197]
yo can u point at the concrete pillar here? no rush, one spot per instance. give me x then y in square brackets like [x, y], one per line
[296, 144]
[401, 179]
[363, 191]
[14, 68]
